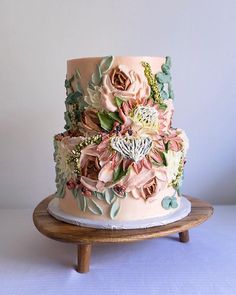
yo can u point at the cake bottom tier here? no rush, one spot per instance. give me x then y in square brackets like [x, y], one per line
[133, 213]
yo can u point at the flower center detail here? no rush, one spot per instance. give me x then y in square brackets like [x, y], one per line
[146, 115]
[131, 147]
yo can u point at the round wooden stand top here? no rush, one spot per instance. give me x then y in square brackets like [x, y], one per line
[65, 232]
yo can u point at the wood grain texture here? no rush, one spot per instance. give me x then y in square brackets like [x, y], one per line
[84, 253]
[65, 232]
[184, 236]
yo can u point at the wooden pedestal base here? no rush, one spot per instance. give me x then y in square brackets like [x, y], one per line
[85, 237]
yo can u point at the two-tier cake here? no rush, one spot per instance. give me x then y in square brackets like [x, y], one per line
[120, 163]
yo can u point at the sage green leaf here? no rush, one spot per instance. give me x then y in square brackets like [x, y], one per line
[72, 97]
[75, 193]
[163, 106]
[106, 122]
[119, 173]
[119, 101]
[171, 94]
[94, 207]
[99, 195]
[115, 116]
[168, 61]
[166, 203]
[82, 202]
[68, 120]
[106, 64]
[165, 68]
[60, 185]
[174, 203]
[109, 196]
[97, 76]
[164, 95]
[115, 208]
[163, 78]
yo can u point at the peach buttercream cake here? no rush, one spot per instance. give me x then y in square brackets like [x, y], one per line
[119, 158]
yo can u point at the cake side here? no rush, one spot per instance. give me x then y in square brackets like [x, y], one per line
[120, 157]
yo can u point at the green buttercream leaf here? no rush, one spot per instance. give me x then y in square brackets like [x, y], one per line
[115, 116]
[72, 97]
[97, 76]
[94, 207]
[163, 156]
[68, 82]
[68, 120]
[165, 69]
[75, 193]
[162, 106]
[60, 185]
[164, 94]
[174, 203]
[115, 208]
[168, 61]
[119, 173]
[119, 101]
[99, 196]
[109, 197]
[82, 202]
[162, 78]
[106, 121]
[167, 146]
[106, 64]
[166, 203]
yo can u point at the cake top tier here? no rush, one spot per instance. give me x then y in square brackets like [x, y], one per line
[106, 84]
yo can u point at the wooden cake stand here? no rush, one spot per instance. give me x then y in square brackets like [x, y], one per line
[84, 237]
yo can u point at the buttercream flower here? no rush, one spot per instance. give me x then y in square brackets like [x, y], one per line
[146, 115]
[122, 83]
[119, 79]
[64, 149]
[96, 169]
[90, 120]
[147, 184]
[175, 140]
[174, 161]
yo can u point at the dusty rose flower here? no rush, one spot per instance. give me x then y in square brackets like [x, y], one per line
[147, 184]
[90, 120]
[174, 140]
[123, 83]
[96, 174]
[91, 167]
[119, 79]
[149, 188]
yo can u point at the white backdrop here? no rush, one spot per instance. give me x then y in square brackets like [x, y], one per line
[37, 37]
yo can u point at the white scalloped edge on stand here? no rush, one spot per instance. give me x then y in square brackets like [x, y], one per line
[183, 210]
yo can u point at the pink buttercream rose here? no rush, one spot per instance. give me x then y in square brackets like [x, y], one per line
[122, 83]
[174, 140]
[147, 184]
[96, 175]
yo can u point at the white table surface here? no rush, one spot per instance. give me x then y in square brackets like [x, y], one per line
[33, 264]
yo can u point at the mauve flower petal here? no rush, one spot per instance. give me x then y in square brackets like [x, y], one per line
[89, 183]
[106, 173]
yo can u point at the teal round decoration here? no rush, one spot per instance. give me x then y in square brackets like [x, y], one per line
[166, 203]
[174, 203]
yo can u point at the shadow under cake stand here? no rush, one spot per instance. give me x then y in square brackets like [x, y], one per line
[84, 237]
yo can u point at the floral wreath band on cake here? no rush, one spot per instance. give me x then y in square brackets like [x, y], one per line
[119, 142]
